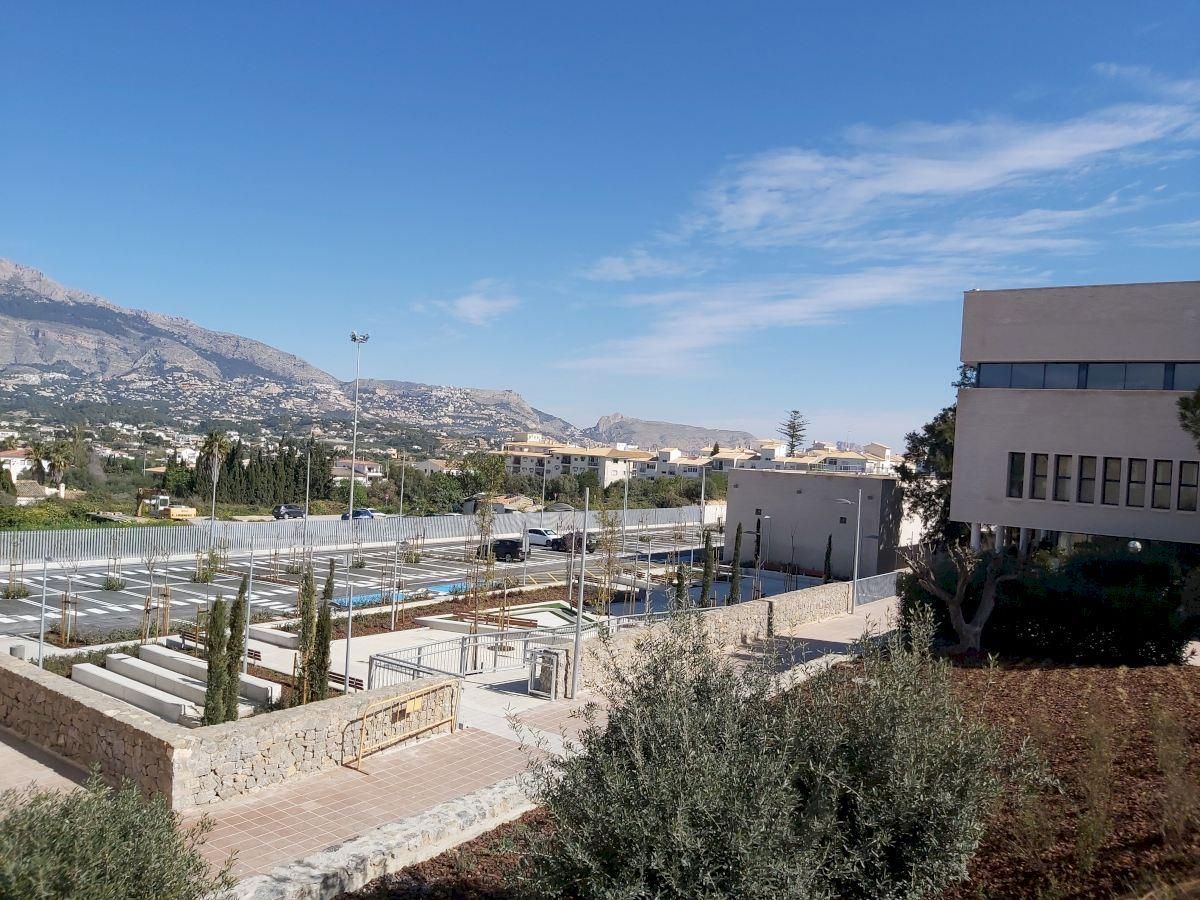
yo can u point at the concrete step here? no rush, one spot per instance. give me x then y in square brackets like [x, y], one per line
[160, 703]
[256, 690]
[183, 686]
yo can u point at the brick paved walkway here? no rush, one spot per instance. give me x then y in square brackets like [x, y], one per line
[291, 821]
[22, 764]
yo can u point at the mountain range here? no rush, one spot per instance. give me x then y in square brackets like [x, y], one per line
[71, 347]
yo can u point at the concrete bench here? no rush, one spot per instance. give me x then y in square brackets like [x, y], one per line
[275, 638]
[256, 690]
[160, 703]
[161, 679]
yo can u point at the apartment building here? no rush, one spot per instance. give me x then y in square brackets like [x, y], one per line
[1071, 428]
[530, 454]
[795, 515]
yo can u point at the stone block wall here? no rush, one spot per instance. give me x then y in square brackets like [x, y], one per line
[87, 727]
[195, 766]
[796, 608]
[223, 761]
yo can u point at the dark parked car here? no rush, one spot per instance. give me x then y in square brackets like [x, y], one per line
[504, 549]
[363, 513]
[288, 511]
[571, 541]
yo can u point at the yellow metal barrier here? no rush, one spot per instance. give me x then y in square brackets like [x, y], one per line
[402, 707]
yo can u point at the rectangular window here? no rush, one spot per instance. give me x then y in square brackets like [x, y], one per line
[1110, 493]
[1062, 376]
[1189, 472]
[1135, 490]
[1145, 376]
[1062, 478]
[1160, 496]
[1087, 480]
[1187, 376]
[1016, 475]
[1041, 470]
[1028, 375]
[995, 375]
[1106, 376]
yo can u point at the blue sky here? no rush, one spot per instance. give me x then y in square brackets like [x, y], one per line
[697, 212]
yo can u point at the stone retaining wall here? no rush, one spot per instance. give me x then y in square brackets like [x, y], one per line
[195, 766]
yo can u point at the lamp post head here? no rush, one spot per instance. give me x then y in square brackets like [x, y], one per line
[357, 338]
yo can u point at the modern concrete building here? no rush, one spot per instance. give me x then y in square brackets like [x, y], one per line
[1071, 428]
[795, 513]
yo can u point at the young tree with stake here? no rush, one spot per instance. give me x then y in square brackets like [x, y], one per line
[735, 569]
[215, 643]
[307, 607]
[706, 583]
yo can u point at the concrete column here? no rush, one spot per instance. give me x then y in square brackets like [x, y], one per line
[975, 536]
[1023, 545]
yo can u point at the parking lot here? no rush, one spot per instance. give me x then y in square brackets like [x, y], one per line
[274, 589]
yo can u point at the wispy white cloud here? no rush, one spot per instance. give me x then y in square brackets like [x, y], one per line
[1168, 234]
[486, 301]
[924, 209]
[639, 264]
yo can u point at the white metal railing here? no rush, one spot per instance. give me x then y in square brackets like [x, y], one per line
[164, 542]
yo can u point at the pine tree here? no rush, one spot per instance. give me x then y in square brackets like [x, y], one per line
[716, 449]
[707, 581]
[793, 429]
[735, 573]
[215, 643]
[828, 574]
[307, 607]
[234, 649]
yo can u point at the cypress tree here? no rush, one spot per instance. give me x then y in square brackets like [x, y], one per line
[681, 591]
[215, 643]
[319, 680]
[707, 582]
[234, 650]
[327, 593]
[828, 573]
[735, 573]
[307, 607]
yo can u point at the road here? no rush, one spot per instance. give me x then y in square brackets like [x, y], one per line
[274, 590]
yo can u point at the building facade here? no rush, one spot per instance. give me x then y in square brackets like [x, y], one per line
[1071, 428]
[800, 513]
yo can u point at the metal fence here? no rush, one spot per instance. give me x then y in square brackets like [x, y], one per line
[162, 542]
[877, 587]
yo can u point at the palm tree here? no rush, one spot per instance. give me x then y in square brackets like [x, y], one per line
[60, 461]
[215, 448]
[37, 452]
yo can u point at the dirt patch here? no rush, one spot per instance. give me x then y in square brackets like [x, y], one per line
[1034, 848]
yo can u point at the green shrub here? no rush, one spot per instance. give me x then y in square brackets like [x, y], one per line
[61, 663]
[15, 591]
[705, 782]
[113, 583]
[1102, 606]
[99, 844]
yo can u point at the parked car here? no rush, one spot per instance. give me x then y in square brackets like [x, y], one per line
[541, 537]
[288, 511]
[504, 549]
[572, 541]
[364, 513]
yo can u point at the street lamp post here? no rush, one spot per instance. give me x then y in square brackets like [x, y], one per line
[307, 485]
[579, 604]
[857, 537]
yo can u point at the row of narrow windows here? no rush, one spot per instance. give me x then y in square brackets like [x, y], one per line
[1095, 376]
[1108, 480]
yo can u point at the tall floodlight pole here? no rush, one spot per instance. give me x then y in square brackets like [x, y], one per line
[358, 340]
[42, 614]
[545, 469]
[579, 605]
[625, 504]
